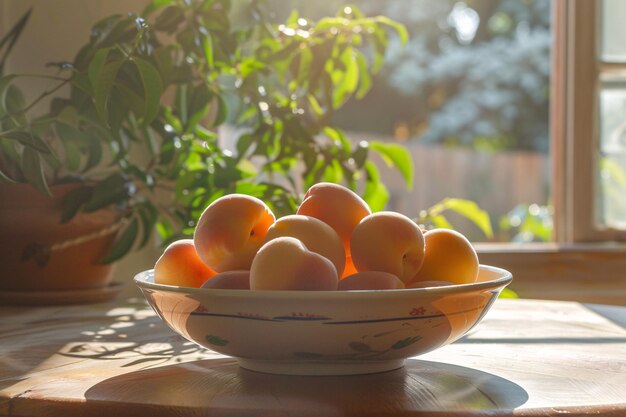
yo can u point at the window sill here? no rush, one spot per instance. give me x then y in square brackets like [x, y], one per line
[592, 273]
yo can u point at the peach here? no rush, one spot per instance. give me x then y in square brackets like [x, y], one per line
[371, 280]
[337, 206]
[428, 284]
[180, 265]
[390, 242]
[316, 235]
[285, 263]
[229, 280]
[231, 230]
[449, 257]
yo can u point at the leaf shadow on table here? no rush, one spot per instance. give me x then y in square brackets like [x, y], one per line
[221, 386]
[54, 339]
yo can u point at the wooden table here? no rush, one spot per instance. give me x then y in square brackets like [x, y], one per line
[527, 358]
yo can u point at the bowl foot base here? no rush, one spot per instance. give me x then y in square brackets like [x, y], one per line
[320, 367]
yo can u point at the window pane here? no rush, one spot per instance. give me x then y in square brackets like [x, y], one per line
[468, 96]
[612, 181]
[613, 30]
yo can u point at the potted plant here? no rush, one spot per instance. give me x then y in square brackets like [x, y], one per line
[133, 139]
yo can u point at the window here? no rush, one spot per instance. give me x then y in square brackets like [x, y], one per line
[589, 128]
[468, 96]
[585, 170]
[588, 157]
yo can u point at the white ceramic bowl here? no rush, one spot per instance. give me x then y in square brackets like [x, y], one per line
[324, 332]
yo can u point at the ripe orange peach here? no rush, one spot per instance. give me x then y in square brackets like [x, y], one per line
[180, 265]
[229, 280]
[231, 230]
[428, 284]
[371, 280]
[316, 235]
[337, 206]
[449, 257]
[285, 263]
[390, 242]
[349, 269]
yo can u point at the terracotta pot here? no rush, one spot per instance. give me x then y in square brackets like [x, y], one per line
[38, 253]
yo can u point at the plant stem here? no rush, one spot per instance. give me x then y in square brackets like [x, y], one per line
[37, 100]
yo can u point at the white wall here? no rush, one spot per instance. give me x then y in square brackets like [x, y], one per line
[55, 32]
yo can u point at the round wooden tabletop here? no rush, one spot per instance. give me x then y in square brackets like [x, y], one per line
[526, 358]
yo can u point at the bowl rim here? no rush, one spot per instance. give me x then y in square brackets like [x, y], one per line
[144, 280]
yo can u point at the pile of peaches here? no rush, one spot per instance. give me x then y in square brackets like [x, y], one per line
[334, 242]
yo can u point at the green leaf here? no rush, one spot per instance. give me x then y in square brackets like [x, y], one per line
[169, 19]
[152, 89]
[611, 170]
[315, 105]
[379, 40]
[51, 160]
[81, 82]
[365, 79]
[72, 156]
[123, 244]
[293, 17]
[118, 109]
[439, 221]
[69, 116]
[400, 29]
[102, 88]
[207, 46]
[133, 101]
[348, 83]
[163, 58]
[508, 293]
[10, 151]
[243, 144]
[88, 142]
[198, 106]
[148, 215]
[5, 83]
[94, 153]
[396, 155]
[337, 135]
[11, 37]
[164, 229]
[14, 103]
[468, 209]
[5, 179]
[222, 110]
[97, 65]
[360, 154]
[111, 190]
[249, 66]
[375, 194]
[305, 58]
[73, 201]
[247, 168]
[333, 172]
[28, 139]
[33, 170]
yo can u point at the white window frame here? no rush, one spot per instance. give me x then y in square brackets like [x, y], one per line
[575, 122]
